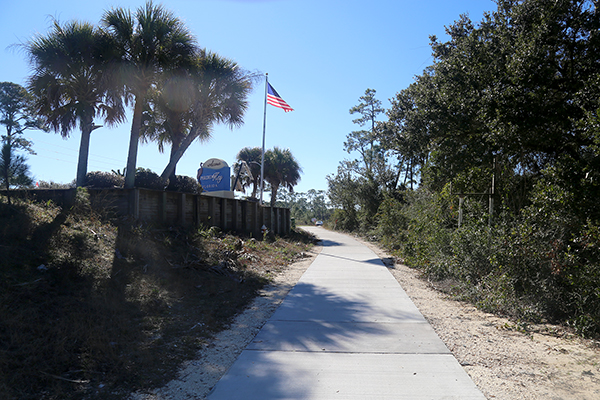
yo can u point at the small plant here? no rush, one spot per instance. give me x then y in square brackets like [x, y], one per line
[209, 232]
[81, 203]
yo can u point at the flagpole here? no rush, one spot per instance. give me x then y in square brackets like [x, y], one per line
[262, 159]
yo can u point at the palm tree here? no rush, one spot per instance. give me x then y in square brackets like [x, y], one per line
[252, 156]
[220, 92]
[281, 169]
[150, 43]
[166, 118]
[70, 82]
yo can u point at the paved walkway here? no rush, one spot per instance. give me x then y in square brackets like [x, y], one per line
[347, 330]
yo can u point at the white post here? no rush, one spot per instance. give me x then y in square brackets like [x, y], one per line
[461, 200]
[492, 190]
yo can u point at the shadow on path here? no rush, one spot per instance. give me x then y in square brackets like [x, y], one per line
[329, 243]
[375, 261]
[311, 324]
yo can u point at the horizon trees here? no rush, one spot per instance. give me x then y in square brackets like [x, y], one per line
[306, 206]
[16, 115]
[359, 184]
[14, 170]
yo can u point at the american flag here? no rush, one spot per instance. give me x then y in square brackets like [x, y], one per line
[274, 99]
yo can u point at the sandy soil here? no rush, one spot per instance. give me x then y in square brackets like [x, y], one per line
[504, 361]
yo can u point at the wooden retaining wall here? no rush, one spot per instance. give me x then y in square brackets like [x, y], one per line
[175, 208]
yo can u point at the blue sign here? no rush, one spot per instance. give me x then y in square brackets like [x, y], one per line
[214, 175]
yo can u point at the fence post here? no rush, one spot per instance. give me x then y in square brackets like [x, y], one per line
[134, 203]
[255, 221]
[236, 215]
[212, 209]
[163, 207]
[244, 216]
[196, 211]
[181, 209]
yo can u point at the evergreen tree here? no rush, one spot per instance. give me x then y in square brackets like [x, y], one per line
[14, 171]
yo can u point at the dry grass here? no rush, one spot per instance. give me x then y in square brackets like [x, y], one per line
[92, 308]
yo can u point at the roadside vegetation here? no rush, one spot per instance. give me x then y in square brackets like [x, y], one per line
[485, 174]
[94, 308]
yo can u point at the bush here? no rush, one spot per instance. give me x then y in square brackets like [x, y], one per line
[54, 185]
[427, 237]
[103, 180]
[345, 220]
[542, 264]
[185, 184]
[391, 222]
[145, 178]
[553, 257]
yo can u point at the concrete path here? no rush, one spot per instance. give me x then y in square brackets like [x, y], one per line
[347, 330]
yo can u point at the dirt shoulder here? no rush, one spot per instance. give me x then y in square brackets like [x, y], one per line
[506, 361]
[198, 377]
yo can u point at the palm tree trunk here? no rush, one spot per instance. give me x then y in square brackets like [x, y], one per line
[84, 150]
[133, 144]
[176, 156]
[255, 187]
[274, 189]
[173, 174]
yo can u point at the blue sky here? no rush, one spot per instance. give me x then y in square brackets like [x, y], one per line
[320, 55]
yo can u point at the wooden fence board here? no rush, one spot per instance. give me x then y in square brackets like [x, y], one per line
[173, 208]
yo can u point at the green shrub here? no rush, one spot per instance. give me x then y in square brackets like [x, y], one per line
[427, 238]
[145, 178]
[391, 222]
[554, 257]
[54, 185]
[345, 220]
[185, 184]
[543, 264]
[103, 180]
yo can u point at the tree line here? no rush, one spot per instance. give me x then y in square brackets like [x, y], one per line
[486, 170]
[147, 60]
